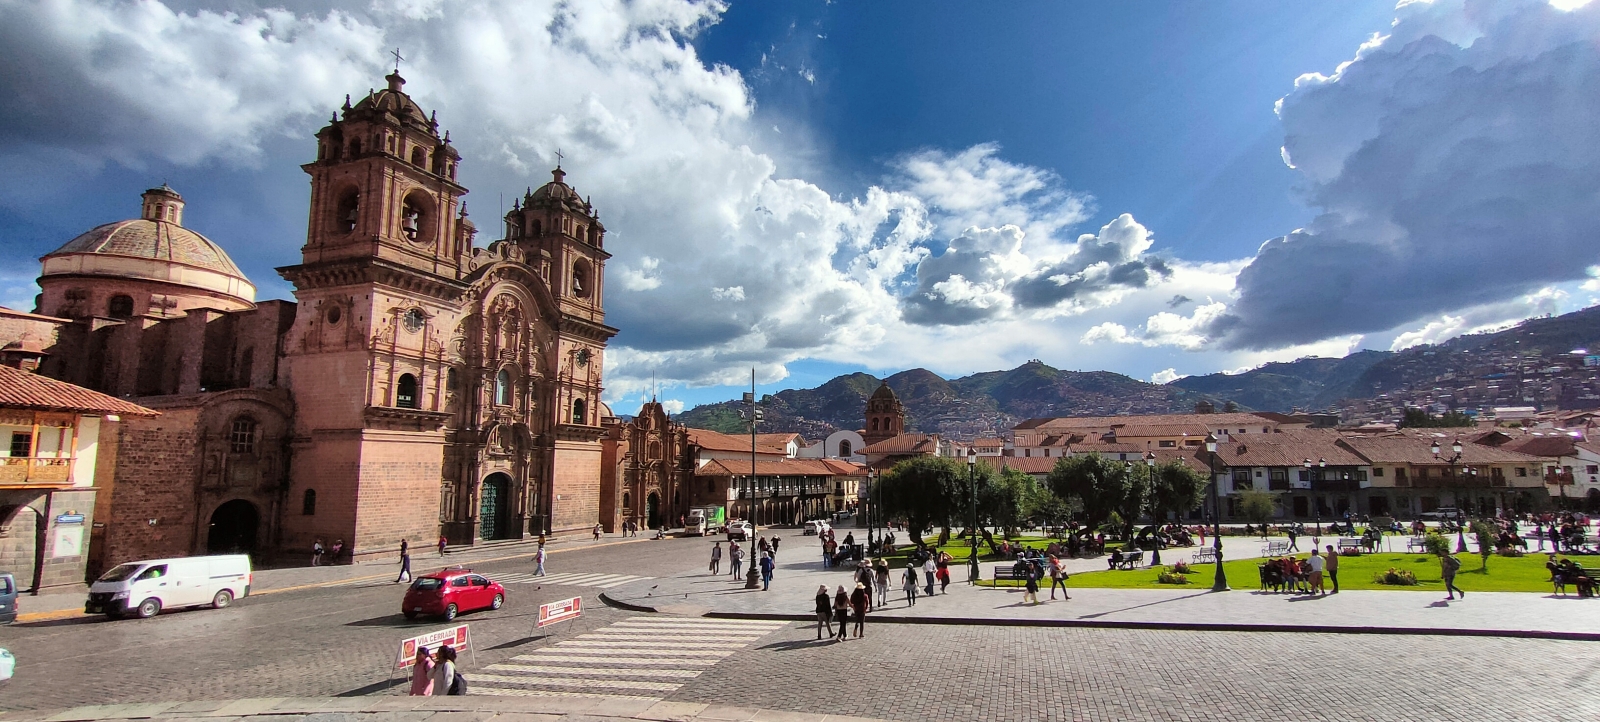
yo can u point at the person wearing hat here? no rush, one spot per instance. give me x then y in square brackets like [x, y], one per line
[864, 578]
[909, 583]
[841, 612]
[860, 601]
[824, 611]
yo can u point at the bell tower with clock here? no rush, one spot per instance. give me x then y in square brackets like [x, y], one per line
[378, 291]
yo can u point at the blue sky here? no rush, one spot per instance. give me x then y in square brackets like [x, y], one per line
[813, 188]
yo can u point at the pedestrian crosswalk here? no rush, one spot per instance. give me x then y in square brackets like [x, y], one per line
[571, 579]
[574, 579]
[639, 657]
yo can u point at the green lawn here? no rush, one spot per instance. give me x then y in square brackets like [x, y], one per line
[1505, 574]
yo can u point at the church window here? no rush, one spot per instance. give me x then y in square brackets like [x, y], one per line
[627, 500]
[405, 395]
[333, 316]
[308, 503]
[536, 229]
[580, 413]
[242, 436]
[655, 449]
[120, 306]
[355, 148]
[345, 215]
[844, 448]
[874, 424]
[416, 217]
[418, 157]
[502, 388]
[452, 380]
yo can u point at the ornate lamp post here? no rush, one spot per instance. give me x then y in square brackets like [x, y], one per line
[871, 500]
[1150, 471]
[752, 579]
[972, 506]
[1220, 582]
[1455, 447]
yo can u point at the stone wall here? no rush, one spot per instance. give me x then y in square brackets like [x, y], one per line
[575, 486]
[398, 497]
[155, 471]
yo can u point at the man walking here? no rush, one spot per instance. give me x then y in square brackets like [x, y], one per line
[538, 561]
[405, 562]
[597, 532]
[766, 571]
[716, 558]
[774, 547]
[1294, 535]
[736, 556]
[824, 611]
[1333, 569]
[930, 568]
[1448, 566]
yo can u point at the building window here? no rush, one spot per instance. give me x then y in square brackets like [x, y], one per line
[1279, 480]
[1521, 471]
[242, 436]
[1591, 469]
[1166, 444]
[1377, 471]
[844, 448]
[627, 500]
[1241, 480]
[418, 157]
[120, 306]
[21, 443]
[1305, 475]
[502, 388]
[452, 380]
[405, 395]
[580, 279]
[580, 413]
[308, 503]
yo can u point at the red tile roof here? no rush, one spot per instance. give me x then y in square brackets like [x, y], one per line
[23, 390]
[714, 441]
[1549, 446]
[1406, 447]
[904, 444]
[1288, 448]
[776, 467]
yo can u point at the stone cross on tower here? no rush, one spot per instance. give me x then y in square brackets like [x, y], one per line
[397, 59]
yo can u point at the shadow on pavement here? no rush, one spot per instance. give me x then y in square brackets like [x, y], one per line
[516, 642]
[1097, 615]
[796, 644]
[374, 687]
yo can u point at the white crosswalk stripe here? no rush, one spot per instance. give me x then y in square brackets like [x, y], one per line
[571, 579]
[638, 658]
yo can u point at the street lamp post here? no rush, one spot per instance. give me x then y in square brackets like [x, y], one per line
[972, 507]
[1220, 582]
[1316, 498]
[1461, 534]
[1150, 473]
[872, 509]
[752, 578]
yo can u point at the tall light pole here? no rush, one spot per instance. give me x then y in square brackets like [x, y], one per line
[872, 508]
[1220, 582]
[972, 506]
[1461, 534]
[753, 578]
[1150, 472]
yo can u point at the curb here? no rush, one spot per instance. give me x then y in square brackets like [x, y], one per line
[1186, 626]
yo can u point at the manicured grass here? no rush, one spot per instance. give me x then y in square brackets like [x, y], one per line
[1505, 574]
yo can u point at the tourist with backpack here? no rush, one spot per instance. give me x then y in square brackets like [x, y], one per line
[446, 680]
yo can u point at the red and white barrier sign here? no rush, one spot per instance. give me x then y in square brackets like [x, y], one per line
[456, 637]
[560, 611]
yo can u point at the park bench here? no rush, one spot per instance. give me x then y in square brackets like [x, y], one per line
[1008, 573]
[1204, 555]
[1131, 560]
[1416, 544]
[1348, 543]
[1275, 548]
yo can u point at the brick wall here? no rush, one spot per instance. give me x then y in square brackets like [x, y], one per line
[398, 496]
[575, 486]
[157, 464]
[330, 465]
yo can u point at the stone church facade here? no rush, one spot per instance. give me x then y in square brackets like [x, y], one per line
[418, 384]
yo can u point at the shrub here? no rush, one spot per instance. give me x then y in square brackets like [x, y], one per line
[1180, 568]
[1395, 577]
[1172, 578]
[1438, 545]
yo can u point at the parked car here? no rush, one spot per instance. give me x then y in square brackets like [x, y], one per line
[145, 588]
[815, 527]
[740, 531]
[1440, 514]
[8, 598]
[449, 592]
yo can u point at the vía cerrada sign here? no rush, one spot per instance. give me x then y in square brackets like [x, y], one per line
[456, 637]
[560, 611]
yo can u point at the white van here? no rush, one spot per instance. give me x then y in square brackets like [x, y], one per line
[145, 588]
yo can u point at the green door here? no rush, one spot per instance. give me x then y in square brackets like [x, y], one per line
[489, 507]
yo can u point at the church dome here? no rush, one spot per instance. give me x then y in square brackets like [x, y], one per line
[153, 247]
[884, 393]
[557, 192]
[392, 101]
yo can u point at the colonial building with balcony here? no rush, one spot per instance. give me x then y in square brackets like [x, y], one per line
[51, 455]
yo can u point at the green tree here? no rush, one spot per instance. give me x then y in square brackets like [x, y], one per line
[1257, 505]
[1100, 484]
[1001, 500]
[926, 491]
[1436, 544]
[1043, 505]
[1486, 534]
[1175, 489]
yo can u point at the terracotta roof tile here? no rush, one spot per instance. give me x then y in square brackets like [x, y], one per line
[776, 467]
[904, 444]
[23, 390]
[715, 441]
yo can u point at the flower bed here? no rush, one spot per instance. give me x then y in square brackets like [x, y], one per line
[1395, 578]
[1172, 577]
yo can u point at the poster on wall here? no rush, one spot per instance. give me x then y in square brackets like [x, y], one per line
[68, 542]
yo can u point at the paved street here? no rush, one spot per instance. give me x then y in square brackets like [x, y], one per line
[338, 640]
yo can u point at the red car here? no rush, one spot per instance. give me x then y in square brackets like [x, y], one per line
[450, 592]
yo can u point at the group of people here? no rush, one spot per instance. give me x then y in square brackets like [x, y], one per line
[1566, 571]
[1032, 566]
[321, 555]
[434, 674]
[1302, 576]
[767, 561]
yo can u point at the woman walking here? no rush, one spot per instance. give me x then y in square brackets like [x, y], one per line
[1058, 578]
[824, 611]
[841, 612]
[1032, 590]
[444, 670]
[860, 600]
[909, 583]
[422, 674]
[880, 579]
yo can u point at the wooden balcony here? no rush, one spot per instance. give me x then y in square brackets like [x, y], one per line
[22, 471]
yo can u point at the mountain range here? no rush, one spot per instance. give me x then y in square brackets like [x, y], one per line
[994, 401]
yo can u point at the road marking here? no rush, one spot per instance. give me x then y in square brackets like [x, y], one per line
[602, 581]
[631, 657]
